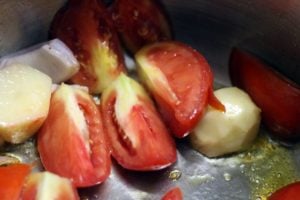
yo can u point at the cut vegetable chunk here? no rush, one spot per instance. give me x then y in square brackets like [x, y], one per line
[180, 80]
[138, 138]
[24, 102]
[140, 23]
[277, 96]
[53, 58]
[12, 178]
[71, 142]
[173, 194]
[48, 186]
[87, 30]
[220, 133]
[288, 192]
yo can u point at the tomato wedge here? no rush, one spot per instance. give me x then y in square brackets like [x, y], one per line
[86, 28]
[173, 194]
[289, 192]
[140, 22]
[71, 142]
[181, 82]
[46, 185]
[12, 178]
[277, 96]
[138, 138]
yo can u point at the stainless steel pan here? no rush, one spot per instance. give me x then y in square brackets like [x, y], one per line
[269, 29]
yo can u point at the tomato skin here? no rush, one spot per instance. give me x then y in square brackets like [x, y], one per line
[62, 143]
[139, 140]
[12, 178]
[289, 192]
[277, 97]
[86, 28]
[173, 194]
[140, 22]
[183, 99]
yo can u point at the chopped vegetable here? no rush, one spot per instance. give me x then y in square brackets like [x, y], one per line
[140, 23]
[48, 186]
[180, 80]
[139, 139]
[277, 96]
[12, 178]
[53, 58]
[220, 133]
[24, 102]
[288, 192]
[71, 142]
[85, 27]
[173, 194]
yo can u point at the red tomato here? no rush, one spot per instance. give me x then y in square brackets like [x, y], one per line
[86, 28]
[277, 97]
[140, 22]
[45, 185]
[181, 82]
[289, 192]
[12, 178]
[139, 139]
[71, 142]
[173, 194]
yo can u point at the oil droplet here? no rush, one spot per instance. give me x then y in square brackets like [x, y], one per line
[200, 179]
[175, 175]
[242, 167]
[227, 176]
[265, 163]
[278, 175]
[261, 198]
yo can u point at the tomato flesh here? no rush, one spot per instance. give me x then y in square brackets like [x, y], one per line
[289, 192]
[141, 142]
[41, 185]
[12, 178]
[277, 97]
[190, 80]
[140, 22]
[173, 194]
[86, 28]
[65, 152]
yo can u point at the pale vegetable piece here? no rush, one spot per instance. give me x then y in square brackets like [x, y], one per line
[48, 186]
[24, 102]
[8, 159]
[220, 133]
[53, 58]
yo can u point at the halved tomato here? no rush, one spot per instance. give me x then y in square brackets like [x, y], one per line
[289, 192]
[71, 142]
[173, 194]
[86, 28]
[181, 82]
[139, 139]
[277, 96]
[140, 22]
[12, 178]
